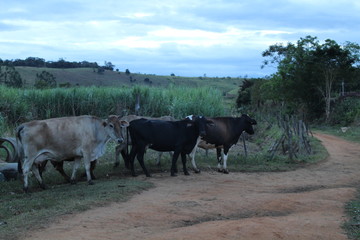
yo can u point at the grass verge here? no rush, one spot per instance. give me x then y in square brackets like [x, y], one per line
[21, 212]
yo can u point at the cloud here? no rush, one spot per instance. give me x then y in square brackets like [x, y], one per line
[219, 37]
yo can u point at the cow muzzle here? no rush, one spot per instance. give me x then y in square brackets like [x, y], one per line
[120, 140]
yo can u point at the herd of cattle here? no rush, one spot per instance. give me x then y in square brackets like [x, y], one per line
[85, 137]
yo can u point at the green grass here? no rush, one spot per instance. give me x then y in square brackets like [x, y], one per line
[352, 225]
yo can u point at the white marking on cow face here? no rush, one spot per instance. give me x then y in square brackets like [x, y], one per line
[190, 117]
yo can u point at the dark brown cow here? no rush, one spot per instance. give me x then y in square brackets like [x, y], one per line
[59, 139]
[222, 135]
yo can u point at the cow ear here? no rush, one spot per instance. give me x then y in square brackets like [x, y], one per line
[124, 123]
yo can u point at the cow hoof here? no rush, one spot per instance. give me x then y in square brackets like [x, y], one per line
[220, 170]
[91, 182]
[197, 171]
[186, 173]
[226, 171]
[73, 182]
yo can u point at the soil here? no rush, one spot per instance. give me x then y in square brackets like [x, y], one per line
[307, 203]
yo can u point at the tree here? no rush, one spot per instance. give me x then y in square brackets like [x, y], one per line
[127, 72]
[308, 70]
[10, 77]
[45, 80]
[109, 66]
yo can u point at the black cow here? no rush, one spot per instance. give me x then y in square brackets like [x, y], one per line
[222, 134]
[164, 136]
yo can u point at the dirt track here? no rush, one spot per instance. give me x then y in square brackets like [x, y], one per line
[304, 204]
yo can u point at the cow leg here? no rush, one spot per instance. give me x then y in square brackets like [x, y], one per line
[88, 171]
[59, 166]
[219, 158]
[41, 167]
[92, 167]
[26, 169]
[140, 158]
[224, 157]
[75, 167]
[174, 163]
[131, 159]
[36, 172]
[119, 149]
[192, 156]
[183, 159]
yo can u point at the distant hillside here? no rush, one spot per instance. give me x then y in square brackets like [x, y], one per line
[91, 77]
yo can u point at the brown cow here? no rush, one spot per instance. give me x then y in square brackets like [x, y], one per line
[222, 135]
[59, 139]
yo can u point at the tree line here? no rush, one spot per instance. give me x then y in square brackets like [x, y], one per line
[61, 63]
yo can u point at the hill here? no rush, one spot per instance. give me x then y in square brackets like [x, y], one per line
[91, 77]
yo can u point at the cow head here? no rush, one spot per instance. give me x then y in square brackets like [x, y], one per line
[248, 123]
[113, 126]
[200, 122]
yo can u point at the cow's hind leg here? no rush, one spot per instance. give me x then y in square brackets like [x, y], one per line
[36, 172]
[75, 167]
[26, 170]
[192, 156]
[183, 159]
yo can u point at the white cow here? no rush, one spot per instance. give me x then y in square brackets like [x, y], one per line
[59, 139]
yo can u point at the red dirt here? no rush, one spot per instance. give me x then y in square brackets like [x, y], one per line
[304, 204]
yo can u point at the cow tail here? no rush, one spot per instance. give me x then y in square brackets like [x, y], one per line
[18, 130]
[127, 142]
[19, 148]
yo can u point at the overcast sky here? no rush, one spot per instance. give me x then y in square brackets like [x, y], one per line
[185, 37]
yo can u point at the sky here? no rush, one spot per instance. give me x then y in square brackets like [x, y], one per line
[216, 38]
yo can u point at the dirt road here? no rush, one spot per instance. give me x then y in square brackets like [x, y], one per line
[304, 204]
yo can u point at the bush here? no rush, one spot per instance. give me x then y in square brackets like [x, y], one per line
[346, 112]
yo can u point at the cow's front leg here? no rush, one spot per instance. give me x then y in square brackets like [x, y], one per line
[75, 167]
[225, 157]
[183, 159]
[173, 169]
[219, 158]
[140, 158]
[131, 159]
[119, 150]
